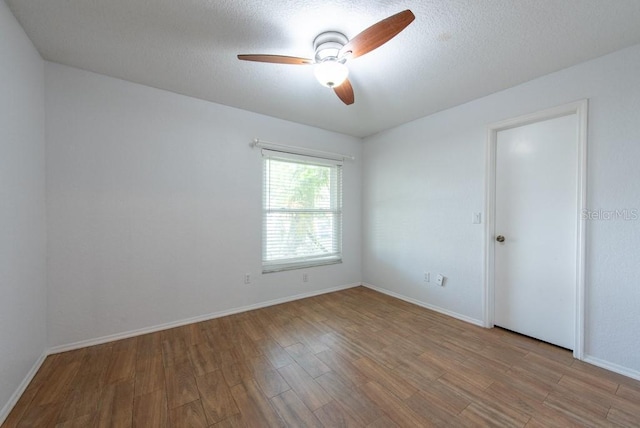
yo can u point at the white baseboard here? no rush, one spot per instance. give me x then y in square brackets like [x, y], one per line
[633, 374]
[173, 324]
[426, 305]
[21, 388]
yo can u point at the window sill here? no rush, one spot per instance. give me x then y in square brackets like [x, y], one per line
[284, 267]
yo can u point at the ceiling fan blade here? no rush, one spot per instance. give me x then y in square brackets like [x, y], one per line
[377, 35]
[276, 59]
[345, 92]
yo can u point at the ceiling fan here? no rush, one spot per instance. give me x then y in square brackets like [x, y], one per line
[333, 50]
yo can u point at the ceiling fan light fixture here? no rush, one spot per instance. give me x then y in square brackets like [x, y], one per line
[331, 73]
[332, 49]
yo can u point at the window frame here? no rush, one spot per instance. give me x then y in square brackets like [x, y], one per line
[336, 196]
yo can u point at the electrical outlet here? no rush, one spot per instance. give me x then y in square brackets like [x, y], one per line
[427, 277]
[440, 280]
[305, 277]
[247, 278]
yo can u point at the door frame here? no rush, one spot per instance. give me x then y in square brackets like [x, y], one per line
[580, 109]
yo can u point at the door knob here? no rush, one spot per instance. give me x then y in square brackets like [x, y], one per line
[500, 238]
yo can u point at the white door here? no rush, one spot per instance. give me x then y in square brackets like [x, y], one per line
[536, 212]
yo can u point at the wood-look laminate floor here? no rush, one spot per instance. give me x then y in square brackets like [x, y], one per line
[353, 358]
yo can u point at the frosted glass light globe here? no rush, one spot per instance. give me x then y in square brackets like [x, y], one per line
[331, 73]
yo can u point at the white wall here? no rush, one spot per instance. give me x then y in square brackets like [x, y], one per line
[23, 294]
[423, 181]
[154, 207]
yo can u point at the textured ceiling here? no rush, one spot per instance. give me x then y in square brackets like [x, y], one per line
[455, 50]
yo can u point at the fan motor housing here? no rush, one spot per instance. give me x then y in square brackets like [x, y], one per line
[327, 45]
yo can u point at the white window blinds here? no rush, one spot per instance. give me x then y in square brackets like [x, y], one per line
[302, 211]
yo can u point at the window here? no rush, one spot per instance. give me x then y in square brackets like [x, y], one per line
[302, 211]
